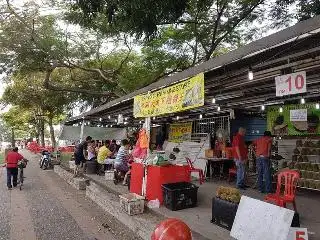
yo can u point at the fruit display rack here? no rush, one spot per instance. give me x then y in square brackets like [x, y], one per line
[306, 160]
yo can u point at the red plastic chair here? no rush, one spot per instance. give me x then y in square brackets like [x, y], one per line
[197, 170]
[288, 178]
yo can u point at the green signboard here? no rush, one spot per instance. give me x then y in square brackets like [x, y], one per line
[295, 120]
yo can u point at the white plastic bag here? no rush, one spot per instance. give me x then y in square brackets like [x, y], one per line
[154, 203]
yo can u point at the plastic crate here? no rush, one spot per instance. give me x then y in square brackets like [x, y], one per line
[132, 203]
[182, 195]
[109, 175]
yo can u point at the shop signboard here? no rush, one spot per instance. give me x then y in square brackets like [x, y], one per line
[289, 84]
[180, 132]
[294, 120]
[179, 97]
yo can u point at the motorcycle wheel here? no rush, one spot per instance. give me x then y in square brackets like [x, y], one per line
[45, 166]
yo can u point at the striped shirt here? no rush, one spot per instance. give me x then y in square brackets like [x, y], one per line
[121, 156]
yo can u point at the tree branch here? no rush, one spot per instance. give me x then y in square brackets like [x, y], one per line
[49, 86]
[239, 20]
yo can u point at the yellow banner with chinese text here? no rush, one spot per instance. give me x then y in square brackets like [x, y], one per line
[176, 98]
[180, 132]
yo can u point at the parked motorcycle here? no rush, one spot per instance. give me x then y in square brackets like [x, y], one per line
[45, 160]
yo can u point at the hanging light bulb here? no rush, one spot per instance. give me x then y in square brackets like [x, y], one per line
[250, 74]
[263, 108]
[200, 116]
[317, 106]
[154, 118]
[126, 119]
[213, 100]
[100, 119]
[303, 101]
[109, 116]
[177, 117]
[219, 109]
[111, 126]
[281, 109]
[140, 122]
[115, 120]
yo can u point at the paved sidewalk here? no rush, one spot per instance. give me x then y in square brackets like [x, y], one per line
[48, 208]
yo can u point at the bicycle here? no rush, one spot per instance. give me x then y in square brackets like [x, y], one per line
[21, 165]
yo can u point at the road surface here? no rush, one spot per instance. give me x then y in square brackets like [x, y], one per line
[49, 209]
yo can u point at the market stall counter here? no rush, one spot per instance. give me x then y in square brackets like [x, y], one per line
[156, 176]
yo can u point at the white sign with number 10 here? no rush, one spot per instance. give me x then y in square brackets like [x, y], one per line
[293, 83]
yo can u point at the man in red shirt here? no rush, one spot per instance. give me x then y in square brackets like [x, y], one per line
[240, 153]
[12, 159]
[263, 151]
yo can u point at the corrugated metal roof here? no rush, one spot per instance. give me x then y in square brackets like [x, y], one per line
[290, 34]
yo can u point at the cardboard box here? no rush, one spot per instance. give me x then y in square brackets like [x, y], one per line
[209, 153]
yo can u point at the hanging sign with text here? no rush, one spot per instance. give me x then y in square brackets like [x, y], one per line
[176, 98]
[299, 115]
[289, 84]
[180, 132]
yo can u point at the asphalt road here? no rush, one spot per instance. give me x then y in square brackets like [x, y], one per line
[48, 208]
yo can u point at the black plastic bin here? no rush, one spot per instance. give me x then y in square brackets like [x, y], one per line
[177, 196]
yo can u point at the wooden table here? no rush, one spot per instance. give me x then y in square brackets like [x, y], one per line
[220, 161]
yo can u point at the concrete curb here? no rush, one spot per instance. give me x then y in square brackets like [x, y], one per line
[143, 225]
[78, 183]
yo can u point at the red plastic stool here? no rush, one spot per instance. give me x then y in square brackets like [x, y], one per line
[172, 229]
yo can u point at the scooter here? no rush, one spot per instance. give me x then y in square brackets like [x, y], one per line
[45, 160]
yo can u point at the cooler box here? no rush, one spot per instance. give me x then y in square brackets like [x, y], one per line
[137, 173]
[157, 176]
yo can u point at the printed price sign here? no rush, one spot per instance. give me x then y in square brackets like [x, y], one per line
[299, 115]
[298, 234]
[289, 84]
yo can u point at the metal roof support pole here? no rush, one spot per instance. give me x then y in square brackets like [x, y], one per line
[147, 127]
[82, 130]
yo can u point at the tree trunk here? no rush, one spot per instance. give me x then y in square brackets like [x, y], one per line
[13, 142]
[53, 139]
[42, 141]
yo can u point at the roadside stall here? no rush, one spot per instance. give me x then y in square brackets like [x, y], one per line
[149, 174]
[298, 127]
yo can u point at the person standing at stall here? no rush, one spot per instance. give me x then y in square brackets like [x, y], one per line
[80, 154]
[240, 153]
[263, 152]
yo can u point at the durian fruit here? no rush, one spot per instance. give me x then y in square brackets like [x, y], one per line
[309, 167]
[312, 184]
[291, 165]
[305, 159]
[313, 151]
[294, 158]
[306, 183]
[305, 151]
[299, 143]
[296, 151]
[302, 182]
[284, 164]
[315, 167]
[300, 159]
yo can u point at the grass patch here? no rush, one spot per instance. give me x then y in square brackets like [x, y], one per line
[65, 157]
[1, 157]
